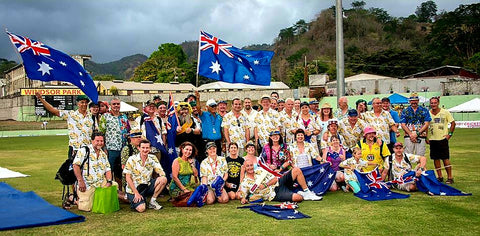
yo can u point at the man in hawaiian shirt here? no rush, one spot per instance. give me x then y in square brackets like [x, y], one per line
[415, 120]
[140, 184]
[79, 123]
[250, 113]
[236, 127]
[400, 164]
[351, 129]
[115, 126]
[381, 120]
[288, 119]
[266, 121]
[342, 110]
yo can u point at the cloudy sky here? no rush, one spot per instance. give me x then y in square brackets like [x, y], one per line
[111, 29]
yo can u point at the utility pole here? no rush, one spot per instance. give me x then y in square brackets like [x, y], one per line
[339, 47]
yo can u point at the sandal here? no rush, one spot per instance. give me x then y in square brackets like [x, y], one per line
[449, 181]
[440, 179]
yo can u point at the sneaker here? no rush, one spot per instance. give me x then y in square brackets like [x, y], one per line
[344, 188]
[449, 181]
[311, 196]
[301, 193]
[154, 205]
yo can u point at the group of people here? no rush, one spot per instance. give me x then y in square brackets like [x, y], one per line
[258, 151]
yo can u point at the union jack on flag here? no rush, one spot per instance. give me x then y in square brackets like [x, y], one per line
[376, 180]
[23, 43]
[208, 41]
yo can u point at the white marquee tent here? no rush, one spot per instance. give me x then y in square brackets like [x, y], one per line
[470, 106]
[125, 107]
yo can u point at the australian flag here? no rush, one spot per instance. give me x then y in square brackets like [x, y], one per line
[44, 63]
[319, 178]
[428, 183]
[276, 212]
[221, 61]
[373, 188]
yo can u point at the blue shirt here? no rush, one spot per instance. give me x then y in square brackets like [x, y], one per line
[414, 120]
[211, 126]
[396, 118]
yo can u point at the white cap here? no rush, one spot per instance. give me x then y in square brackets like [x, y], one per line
[211, 102]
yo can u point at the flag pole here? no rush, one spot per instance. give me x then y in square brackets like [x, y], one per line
[198, 58]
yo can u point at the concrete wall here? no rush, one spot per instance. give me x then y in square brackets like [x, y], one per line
[10, 108]
[462, 87]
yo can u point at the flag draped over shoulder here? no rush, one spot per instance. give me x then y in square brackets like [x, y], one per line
[276, 212]
[373, 188]
[171, 130]
[44, 63]
[155, 137]
[221, 61]
[319, 178]
[428, 183]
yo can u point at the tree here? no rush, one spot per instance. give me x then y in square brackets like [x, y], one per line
[106, 77]
[357, 5]
[300, 27]
[5, 65]
[426, 11]
[114, 91]
[380, 14]
[287, 35]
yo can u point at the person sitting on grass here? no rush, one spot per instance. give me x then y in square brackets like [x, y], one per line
[302, 152]
[261, 184]
[400, 163]
[140, 184]
[212, 167]
[234, 169]
[184, 173]
[351, 164]
[334, 154]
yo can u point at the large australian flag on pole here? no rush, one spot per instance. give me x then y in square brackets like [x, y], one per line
[221, 61]
[44, 63]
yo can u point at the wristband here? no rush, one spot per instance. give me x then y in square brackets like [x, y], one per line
[450, 133]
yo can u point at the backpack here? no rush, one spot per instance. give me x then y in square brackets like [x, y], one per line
[359, 143]
[390, 160]
[65, 173]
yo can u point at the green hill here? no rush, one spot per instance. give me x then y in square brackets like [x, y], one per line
[121, 69]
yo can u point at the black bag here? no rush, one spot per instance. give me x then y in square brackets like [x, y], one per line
[65, 173]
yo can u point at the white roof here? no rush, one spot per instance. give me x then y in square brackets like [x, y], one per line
[364, 76]
[130, 85]
[125, 107]
[224, 85]
[470, 106]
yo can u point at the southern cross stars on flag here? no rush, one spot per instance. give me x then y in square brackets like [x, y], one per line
[44, 63]
[222, 61]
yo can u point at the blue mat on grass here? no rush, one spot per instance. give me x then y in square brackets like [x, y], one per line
[24, 210]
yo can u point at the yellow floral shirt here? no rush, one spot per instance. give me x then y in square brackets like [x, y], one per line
[288, 124]
[312, 125]
[381, 124]
[399, 169]
[94, 169]
[211, 169]
[266, 122]
[236, 128]
[141, 174]
[351, 135]
[79, 128]
[267, 194]
[309, 150]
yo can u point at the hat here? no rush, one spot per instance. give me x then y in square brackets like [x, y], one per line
[360, 101]
[192, 96]
[265, 96]
[222, 101]
[413, 96]
[184, 105]
[157, 97]
[82, 97]
[211, 103]
[352, 112]
[368, 130]
[210, 144]
[313, 101]
[135, 133]
[398, 144]
[149, 102]
[92, 104]
[326, 105]
[274, 132]
[281, 101]
[193, 103]
[332, 121]
[162, 103]
[304, 104]
[250, 143]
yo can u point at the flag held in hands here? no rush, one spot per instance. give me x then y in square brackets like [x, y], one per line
[373, 188]
[221, 61]
[44, 63]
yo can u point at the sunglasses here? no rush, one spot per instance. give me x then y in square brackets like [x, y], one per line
[213, 106]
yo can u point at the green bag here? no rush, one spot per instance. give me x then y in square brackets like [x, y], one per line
[105, 200]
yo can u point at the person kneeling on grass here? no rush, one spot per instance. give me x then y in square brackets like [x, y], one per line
[138, 173]
[400, 163]
[351, 164]
[211, 169]
[261, 184]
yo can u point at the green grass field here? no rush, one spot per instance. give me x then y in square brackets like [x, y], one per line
[338, 213]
